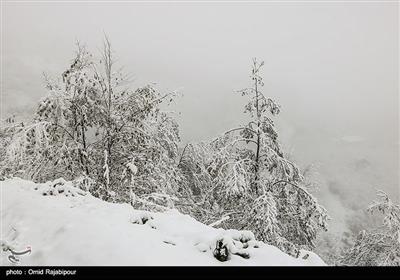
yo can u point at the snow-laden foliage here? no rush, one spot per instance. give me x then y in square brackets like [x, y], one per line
[21, 146]
[92, 125]
[9, 127]
[380, 246]
[244, 174]
[116, 142]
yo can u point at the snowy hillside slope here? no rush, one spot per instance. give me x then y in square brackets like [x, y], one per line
[64, 225]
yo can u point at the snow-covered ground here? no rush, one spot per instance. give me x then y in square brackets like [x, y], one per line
[66, 226]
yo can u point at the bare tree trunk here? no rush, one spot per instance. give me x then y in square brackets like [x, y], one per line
[108, 69]
[83, 131]
[258, 132]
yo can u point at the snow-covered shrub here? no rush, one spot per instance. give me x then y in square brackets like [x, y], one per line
[379, 246]
[60, 187]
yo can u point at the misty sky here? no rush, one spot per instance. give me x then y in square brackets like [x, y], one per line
[333, 67]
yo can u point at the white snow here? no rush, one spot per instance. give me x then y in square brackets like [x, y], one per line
[80, 229]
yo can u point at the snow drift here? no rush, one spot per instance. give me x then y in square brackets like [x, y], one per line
[64, 225]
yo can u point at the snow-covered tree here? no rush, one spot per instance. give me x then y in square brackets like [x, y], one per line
[249, 178]
[56, 138]
[93, 125]
[8, 128]
[379, 246]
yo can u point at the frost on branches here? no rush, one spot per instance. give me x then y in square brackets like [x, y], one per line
[91, 125]
[9, 127]
[22, 146]
[380, 246]
[244, 174]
